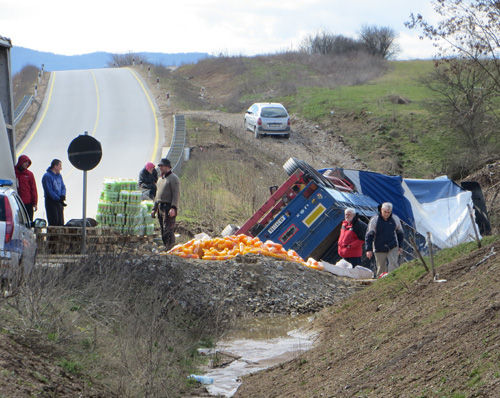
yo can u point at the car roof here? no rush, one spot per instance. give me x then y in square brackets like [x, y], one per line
[275, 104]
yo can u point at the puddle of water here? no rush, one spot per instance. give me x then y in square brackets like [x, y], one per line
[260, 343]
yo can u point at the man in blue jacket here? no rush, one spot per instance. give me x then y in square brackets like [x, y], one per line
[55, 193]
[384, 236]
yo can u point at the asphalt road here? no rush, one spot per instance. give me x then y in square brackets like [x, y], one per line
[112, 105]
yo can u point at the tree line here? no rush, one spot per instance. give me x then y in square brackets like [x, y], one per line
[375, 40]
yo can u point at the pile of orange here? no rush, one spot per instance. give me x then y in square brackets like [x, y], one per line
[231, 246]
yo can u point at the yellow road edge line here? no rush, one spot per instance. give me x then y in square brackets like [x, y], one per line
[41, 119]
[157, 134]
[98, 111]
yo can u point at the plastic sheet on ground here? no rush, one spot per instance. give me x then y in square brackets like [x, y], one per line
[344, 268]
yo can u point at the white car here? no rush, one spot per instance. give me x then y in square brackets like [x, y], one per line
[268, 118]
[17, 238]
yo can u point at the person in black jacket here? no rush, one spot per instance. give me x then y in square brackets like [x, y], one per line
[147, 181]
[384, 237]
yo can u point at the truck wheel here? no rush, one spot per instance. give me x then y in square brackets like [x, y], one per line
[294, 164]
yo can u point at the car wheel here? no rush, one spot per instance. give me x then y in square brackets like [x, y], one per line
[245, 126]
[294, 164]
[287, 135]
[256, 132]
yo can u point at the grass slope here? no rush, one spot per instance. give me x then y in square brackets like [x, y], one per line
[405, 336]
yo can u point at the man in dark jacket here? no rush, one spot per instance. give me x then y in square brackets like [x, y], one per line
[352, 237]
[147, 181]
[385, 237]
[26, 185]
[166, 202]
[55, 193]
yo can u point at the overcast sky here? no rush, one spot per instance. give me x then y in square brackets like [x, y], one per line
[232, 27]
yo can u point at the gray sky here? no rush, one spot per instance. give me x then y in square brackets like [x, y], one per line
[232, 27]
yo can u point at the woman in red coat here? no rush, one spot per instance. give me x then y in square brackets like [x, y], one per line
[352, 237]
[26, 185]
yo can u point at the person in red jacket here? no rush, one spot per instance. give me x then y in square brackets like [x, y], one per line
[26, 185]
[352, 237]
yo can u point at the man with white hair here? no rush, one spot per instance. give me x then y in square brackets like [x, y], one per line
[385, 238]
[352, 237]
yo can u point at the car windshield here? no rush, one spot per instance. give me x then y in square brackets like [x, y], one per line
[273, 112]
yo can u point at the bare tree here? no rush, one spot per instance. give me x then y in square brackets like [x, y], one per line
[326, 43]
[467, 74]
[465, 102]
[469, 29]
[380, 41]
[127, 59]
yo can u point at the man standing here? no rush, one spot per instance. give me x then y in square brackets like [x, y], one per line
[26, 185]
[352, 237]
[147, 181]
[385, 235]
[55, 193]
[166, 202]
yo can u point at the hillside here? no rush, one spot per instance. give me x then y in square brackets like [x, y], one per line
[128, 323]
[380, 109]
[405, 336]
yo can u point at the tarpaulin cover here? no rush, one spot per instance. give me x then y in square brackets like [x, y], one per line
[438, 206]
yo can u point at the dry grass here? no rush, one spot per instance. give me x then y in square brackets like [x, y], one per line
[223, 182]
[114, 319]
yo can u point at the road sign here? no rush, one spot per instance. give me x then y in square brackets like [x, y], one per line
[85, 152]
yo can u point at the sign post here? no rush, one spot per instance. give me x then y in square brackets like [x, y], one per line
[85, 153]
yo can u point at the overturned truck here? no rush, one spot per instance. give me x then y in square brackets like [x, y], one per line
[305, 213]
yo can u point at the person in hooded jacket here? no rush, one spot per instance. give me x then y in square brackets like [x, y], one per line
[148, 177]
[352, 237]
[55, 193]
[26, 185]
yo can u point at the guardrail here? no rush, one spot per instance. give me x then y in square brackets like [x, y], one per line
[22, 108]
[176, 152]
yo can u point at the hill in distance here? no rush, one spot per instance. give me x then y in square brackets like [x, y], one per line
[21, 56]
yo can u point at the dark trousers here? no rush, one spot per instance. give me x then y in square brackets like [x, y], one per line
[29, 210]
[55, 212]
[167, 225]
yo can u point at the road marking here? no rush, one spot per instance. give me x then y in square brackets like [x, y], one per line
[155, 148]
[98, 112]
[43, 116]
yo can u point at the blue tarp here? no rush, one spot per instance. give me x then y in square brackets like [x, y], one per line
[438, 206]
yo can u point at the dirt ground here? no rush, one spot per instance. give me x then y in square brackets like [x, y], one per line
[435, 340]
[27, 370]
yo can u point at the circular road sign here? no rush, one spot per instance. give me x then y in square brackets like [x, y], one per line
[85, 152]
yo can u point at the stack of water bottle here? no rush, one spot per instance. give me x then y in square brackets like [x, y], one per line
[122, 208]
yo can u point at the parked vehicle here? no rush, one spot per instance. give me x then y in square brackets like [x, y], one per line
[268, 118]
[17, 238]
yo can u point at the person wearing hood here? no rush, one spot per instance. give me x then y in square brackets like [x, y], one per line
[55, 193]
[26, 185]
[147, 181]
[352, 237]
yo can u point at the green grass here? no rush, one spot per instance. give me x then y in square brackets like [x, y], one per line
[314, 103]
